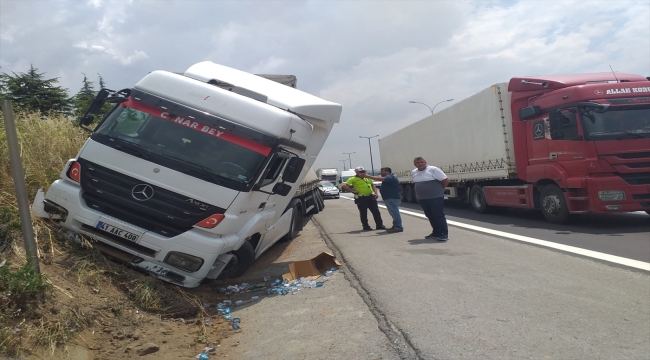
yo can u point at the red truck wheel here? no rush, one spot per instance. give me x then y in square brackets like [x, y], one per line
[477, 200]
[554, 205]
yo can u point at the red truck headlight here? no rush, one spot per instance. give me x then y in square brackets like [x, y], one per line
[211, 221]
[74, 172]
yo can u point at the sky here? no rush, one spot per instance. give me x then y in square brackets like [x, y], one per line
[372, 57]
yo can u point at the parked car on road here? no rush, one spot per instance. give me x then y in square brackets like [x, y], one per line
[329, 190]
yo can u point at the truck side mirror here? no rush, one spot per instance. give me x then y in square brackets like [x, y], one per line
[86, 120]
[98, 101]
[293, 169]
[281, 189]
[529, 112]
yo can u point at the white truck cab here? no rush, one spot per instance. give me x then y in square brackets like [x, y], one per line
[194, 175]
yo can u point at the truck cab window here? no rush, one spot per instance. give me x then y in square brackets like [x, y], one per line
[565, 127]
[273, 170]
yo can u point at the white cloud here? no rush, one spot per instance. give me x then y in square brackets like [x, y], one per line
[373, 57]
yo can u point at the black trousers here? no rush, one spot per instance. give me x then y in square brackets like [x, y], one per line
[365, 203]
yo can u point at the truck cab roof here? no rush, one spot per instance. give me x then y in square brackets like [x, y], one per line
[271, 92]
[553, 82]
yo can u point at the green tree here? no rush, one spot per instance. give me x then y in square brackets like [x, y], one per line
[82, 100]
[31, 91]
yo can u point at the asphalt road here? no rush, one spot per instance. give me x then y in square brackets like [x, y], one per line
[484, 297]
[626, 235]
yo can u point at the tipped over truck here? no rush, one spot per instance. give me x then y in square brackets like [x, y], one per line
[193, 176]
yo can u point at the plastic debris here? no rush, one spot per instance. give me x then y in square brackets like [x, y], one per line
[203, 356]
[235, 326]
[227, 316]
[236, 320]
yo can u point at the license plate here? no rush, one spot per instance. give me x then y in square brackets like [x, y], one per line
[117, 231]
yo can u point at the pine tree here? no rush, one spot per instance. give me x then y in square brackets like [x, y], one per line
[82, 100]
[31, 91]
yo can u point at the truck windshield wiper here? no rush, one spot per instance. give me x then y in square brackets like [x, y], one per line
[128, 146]
[197, 168]
[618, 133]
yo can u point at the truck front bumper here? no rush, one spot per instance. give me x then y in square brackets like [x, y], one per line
[637, 197]
[150, 250]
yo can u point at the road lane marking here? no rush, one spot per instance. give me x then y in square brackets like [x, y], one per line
[549, 244]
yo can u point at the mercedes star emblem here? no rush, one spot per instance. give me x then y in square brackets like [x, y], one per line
[598, 92]
[539, 129]
[142, 192]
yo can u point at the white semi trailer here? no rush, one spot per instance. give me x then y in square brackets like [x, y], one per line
[192, 176]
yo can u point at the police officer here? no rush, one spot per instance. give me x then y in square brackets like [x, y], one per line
[365, 194]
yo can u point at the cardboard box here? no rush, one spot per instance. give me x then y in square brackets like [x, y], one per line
[314, 267]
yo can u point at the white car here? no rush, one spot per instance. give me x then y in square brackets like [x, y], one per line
[329, 190]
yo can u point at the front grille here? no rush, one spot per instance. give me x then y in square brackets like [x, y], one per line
[637, 155]
[641, 196]
[636, 178]
[635, 165]
[126, 243]
[166, 213]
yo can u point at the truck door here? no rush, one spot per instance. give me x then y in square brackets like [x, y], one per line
[274, 204]
[566, 145]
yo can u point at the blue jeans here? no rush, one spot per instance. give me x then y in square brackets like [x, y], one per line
[393, 209]
[433, 209]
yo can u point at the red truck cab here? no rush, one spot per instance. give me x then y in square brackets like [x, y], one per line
[583, 142]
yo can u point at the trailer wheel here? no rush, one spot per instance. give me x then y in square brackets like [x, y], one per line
[554, 205]
[402, 196]
[242, 260]
[296, 224]
[321, 201]
[409, 193]
[478, 201]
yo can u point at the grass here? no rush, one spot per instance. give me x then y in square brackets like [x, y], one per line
[46, 144]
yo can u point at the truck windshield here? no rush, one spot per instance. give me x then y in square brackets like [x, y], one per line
[186, 145]
[618, 122]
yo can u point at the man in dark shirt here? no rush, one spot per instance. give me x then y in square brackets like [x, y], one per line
[390, 194]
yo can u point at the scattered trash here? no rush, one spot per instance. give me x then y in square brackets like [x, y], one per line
[227, 316]
[255, 298]
[203, 356]
[236, 320]
[209, 349]
[235, 326]
[239, 302]
[208, 322]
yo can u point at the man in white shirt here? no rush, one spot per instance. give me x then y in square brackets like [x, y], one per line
[430, 183]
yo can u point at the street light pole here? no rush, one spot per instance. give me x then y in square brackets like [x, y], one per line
[417, 102]
[430, 108]
[350, 158]
[372, 166]
[343, 164]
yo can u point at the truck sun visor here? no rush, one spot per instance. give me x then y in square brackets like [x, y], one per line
[195, 125]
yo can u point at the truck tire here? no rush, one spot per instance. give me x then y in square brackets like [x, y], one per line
[553, 204]
[402, 195]
[296, 225]
[242, 260]
[478, 200]
[409, 193]
[321, 201]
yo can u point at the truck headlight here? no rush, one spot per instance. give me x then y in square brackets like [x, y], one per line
[183, 261]
[611, 195]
